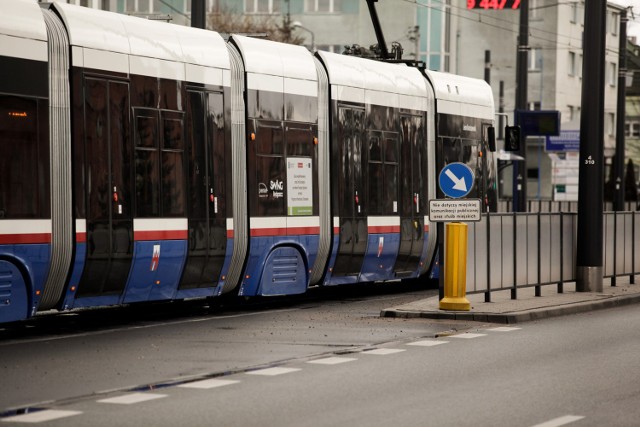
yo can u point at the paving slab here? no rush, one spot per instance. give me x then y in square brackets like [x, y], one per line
[527, 306]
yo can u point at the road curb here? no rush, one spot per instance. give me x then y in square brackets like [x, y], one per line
[514, 316]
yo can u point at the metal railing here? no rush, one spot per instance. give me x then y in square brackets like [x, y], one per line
[509, 251]
[540, 205]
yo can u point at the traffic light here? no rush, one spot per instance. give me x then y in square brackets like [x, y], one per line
[491, 137]
[512, 138]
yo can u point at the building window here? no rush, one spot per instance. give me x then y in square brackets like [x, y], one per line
[572, 64]
[574, 113]
[535, 59]
[323, 6]
[211, 6]
[574, 13]
[611, 73]
[535, 106]
[611, 124]
[632, 129]
[333, 48]
[262, 6]
[612, 23]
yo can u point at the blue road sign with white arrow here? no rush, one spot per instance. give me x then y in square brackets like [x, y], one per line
[456, 180]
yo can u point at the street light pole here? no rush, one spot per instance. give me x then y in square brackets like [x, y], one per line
[522, 70]
[618, 165]
[589, 257]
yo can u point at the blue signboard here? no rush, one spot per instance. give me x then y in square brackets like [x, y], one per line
[569, 140]
[456, 180]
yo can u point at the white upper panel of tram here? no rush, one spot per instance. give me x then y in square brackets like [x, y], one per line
[462, 96]
[126, 44]
[22, 30]
[278, 67]
[353, 79]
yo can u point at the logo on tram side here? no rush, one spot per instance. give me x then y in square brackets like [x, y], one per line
[155, 258]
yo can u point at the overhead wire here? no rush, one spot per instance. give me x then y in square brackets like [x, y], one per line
[510, 26]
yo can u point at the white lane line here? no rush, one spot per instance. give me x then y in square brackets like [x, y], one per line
[131, 398]
[427, 343]
[332, 360]
[208, 384]
[383, 351]
[273, 371]
[504, 329]
[40, 416]
[561, 421]
[468, 335]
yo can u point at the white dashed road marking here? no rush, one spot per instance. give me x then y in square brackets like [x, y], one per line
[40, 416]
[332, 360]
[468, 335]
[273, 371]
[427, 343]
[504, 329]
[383, 351]
[561, 421]
[207, 384]
[130, 399]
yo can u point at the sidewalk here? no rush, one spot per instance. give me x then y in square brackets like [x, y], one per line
[502, 309]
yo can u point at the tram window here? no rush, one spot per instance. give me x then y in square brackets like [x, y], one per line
[24, 164]
[173, 182]
[147, 188]
[270, 171]
[376, 176]
[391, 157]
[173, 134]
[146, 132]
[269, 141]
[300, 143]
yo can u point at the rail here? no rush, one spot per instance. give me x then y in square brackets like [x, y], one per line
[510, 251]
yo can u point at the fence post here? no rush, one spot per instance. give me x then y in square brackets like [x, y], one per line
[514, 289]
[538, 287]
[633, 248]
[487, 294]
[561, 284]
[615, 247]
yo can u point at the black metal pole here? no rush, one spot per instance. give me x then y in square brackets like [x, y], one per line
[591, 169]
[377, 28]
[618, 165]
[198, 14]
[487, 66]
[520, 168]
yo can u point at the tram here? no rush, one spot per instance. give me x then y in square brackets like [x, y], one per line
[145, 161]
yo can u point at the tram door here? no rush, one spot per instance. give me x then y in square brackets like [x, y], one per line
[413, 194]
[107, 178]
[351, 195]
[206, 201]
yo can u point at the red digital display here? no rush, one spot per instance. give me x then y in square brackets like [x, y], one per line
[493, 4]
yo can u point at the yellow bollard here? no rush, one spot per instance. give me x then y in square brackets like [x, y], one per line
[455, 268]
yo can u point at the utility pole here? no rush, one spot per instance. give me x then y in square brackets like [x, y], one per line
[591, 169]
[520, 168]
[198, 14]
[487, 66]
[618, 165]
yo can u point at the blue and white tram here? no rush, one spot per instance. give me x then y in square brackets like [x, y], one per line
[145, 161]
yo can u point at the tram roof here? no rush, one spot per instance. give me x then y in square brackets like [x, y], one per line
[276, 59]
[362, 73]
[462, 95]
[363, 80]
[112, 32]
[22, 18]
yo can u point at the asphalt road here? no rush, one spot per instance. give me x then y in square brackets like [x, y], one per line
[325, 362]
